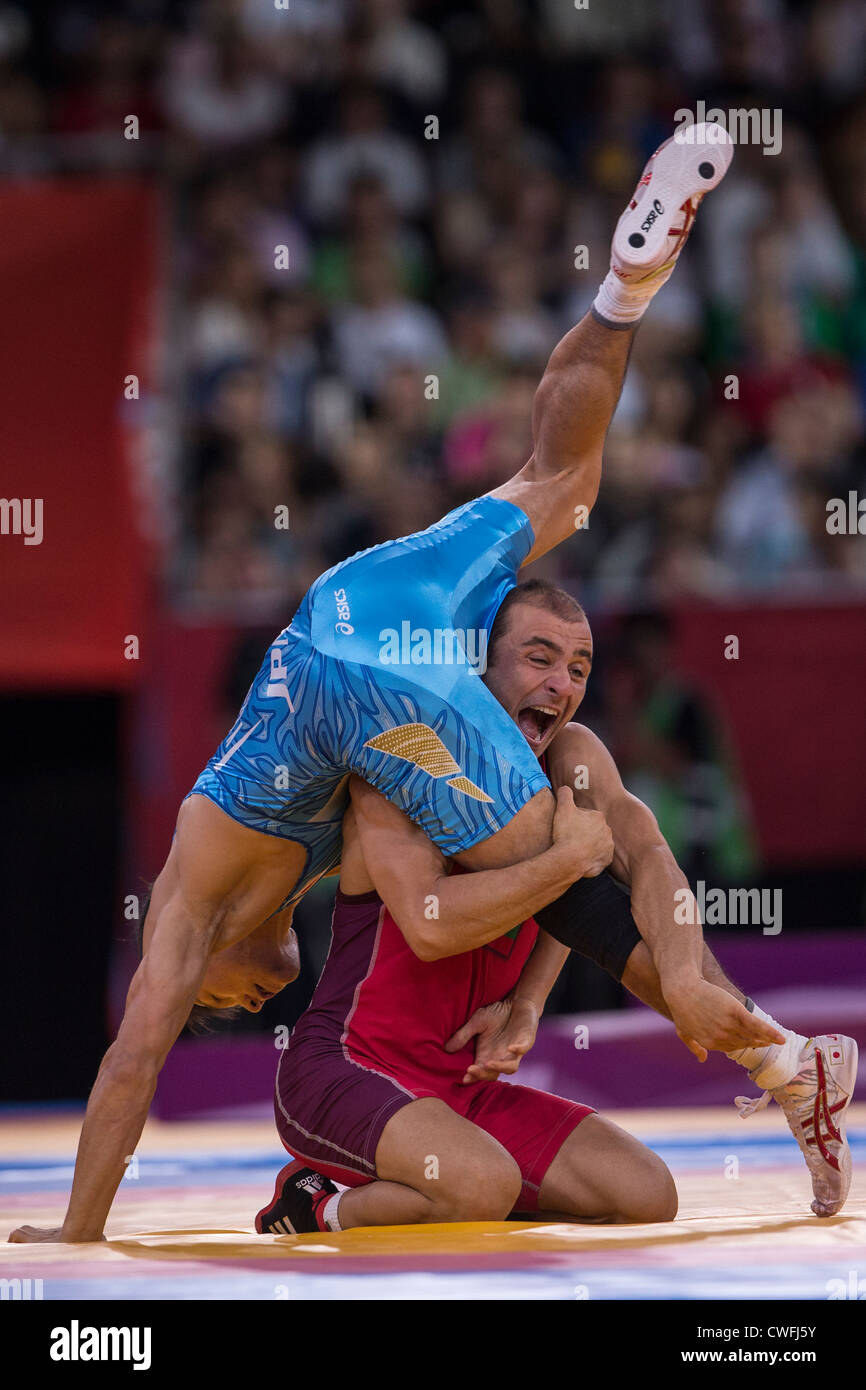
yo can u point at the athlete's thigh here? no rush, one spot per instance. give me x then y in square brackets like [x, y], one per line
[530, 1124]
[218, 865]
[602, 1173]
[556, 501]
[427, 1142]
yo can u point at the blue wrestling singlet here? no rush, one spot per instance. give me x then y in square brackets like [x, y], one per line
[379, 673]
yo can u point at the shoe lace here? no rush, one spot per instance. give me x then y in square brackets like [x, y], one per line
[747, 1105]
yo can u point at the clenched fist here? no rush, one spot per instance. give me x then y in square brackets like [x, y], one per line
[583, 835]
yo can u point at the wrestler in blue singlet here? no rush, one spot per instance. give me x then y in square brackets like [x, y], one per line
[379, 673]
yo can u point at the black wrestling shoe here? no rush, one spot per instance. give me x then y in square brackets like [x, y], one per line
[298, 1203]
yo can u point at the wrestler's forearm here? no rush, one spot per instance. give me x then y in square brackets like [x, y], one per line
[662, 905]
[660, 899]
[161, 994]
[540, 972]
[115, 1117]
[469, 910]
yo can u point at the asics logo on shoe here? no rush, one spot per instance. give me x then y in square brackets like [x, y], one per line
[654, 213]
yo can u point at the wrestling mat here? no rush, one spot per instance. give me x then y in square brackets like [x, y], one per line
[182, 1225]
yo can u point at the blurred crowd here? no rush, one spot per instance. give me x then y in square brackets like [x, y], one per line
[374, 210]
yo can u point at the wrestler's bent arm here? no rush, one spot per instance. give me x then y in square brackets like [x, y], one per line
[161, 995]
[443, 915]
[541, 972]
[506, 1030]
[659, 889]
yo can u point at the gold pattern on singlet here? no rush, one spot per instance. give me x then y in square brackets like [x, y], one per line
[416, 743]
[462, 784]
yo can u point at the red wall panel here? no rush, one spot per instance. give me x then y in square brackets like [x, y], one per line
[795, 702]
[78, 270]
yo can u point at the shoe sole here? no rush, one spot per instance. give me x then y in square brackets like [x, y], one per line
[278, 1192]
[682, 168]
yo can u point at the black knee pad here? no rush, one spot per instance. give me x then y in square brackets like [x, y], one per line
[593, 917]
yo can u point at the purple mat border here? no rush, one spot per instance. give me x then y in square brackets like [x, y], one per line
[633, 1059]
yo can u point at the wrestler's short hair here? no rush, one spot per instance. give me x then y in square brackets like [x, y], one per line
[541, 593]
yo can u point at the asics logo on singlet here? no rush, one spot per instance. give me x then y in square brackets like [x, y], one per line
[343, 613]
[654, 213]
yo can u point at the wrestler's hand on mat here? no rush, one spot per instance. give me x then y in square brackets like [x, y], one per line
[583, 835]
[504, 1033]
[38, 1235]
[707, 1018]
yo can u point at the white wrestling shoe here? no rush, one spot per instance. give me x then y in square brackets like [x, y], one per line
[654, 227]
[659, 217]
[814, 1102]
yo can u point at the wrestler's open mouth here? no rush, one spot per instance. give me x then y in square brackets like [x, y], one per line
[535, 721]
